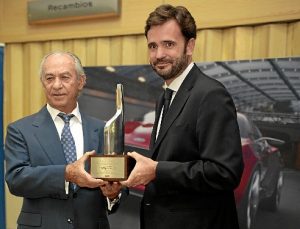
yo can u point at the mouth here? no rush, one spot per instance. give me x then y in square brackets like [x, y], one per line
[162, 65]
[58, 95]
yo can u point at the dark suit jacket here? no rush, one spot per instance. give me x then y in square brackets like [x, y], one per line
[200, 160]
[35, 167]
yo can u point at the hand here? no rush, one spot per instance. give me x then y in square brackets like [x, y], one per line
[111, 189]
[143, 172]
[76, 173]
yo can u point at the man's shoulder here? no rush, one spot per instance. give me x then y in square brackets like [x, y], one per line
[206, 82]
[25, 119]
[207, 86]
[92, 120]
[28, 120]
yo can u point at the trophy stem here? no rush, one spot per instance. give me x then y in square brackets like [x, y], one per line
[114, 128]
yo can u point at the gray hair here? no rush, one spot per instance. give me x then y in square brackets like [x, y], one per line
[78, 67]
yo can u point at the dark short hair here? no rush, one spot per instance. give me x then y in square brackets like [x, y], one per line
[167, 12]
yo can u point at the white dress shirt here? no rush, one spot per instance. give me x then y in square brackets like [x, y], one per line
[174, 86]
[75, 127]
[77, 133]
[76, 130]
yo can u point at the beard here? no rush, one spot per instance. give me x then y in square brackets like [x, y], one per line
[178, 65]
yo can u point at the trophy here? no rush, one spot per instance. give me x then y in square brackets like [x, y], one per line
[114, 164]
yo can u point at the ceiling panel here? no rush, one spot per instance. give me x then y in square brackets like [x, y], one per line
[254, 84]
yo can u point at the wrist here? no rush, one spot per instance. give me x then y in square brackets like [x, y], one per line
[68, 173]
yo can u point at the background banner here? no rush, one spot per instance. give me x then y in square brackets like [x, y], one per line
[2, 196]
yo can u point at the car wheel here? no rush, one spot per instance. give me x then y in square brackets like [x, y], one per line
[271, 203]
[248, 209]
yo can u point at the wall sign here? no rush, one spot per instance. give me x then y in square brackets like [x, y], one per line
[47, 11]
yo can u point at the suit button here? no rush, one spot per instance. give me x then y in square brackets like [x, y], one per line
[75, 195]
[69, 221]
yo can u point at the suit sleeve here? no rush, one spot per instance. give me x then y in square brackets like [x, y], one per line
[214, 143]
[23, 179]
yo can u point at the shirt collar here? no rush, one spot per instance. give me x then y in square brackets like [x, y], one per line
[176, 83]
[54, 112]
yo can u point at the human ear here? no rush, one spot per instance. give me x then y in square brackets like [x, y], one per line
[190, 46]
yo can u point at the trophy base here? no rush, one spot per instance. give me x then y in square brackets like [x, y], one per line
[111, 167]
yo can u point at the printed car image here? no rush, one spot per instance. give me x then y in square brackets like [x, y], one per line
[262, 177]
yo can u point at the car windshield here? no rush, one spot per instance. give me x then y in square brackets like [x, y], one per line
[247, 128]
[244, 126]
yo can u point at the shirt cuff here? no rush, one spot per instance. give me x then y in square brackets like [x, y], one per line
[67, 187]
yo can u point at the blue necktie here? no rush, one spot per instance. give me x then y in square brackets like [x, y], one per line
[67, 139]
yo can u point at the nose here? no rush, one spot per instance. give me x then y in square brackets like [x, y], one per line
[160, 53]
[57, 83]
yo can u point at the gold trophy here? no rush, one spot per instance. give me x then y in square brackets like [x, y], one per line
[114, 164]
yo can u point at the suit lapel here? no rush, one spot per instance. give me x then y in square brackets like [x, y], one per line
[158, 109]
[174, 110]
[91, 135]
[176, 107]
[48, 137]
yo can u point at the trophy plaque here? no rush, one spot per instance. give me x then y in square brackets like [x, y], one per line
[114, 164]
